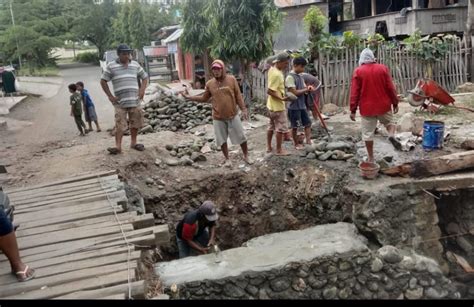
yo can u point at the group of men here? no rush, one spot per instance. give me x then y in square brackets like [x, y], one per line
[290, 100]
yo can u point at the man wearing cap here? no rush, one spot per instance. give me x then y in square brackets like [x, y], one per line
[226, 101]
[124, 74]
[276, 103]
[196, 233]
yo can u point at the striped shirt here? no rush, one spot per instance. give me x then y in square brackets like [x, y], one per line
[124, 81]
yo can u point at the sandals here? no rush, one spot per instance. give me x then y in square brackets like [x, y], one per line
[139, 147]
[23, 275]
[114, 151]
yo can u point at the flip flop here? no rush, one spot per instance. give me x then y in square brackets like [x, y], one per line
[114, 151]
[285, 154]
[24, 274]
[139, 147]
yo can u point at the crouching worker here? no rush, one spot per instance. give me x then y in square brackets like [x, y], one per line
[196, 233]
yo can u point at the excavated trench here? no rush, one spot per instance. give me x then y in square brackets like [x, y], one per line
[250, 205]
[278, 198]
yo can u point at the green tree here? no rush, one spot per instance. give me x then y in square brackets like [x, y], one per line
[243, 30]
[197, 35]
[95, 24]
[121, 26]
[156, 18]
[139, 35]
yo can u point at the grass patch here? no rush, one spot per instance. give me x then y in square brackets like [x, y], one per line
[39, 72]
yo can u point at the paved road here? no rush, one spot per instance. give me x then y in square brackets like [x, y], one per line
[50, 117]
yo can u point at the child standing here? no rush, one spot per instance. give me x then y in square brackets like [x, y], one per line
[76, 109]
[89, 108]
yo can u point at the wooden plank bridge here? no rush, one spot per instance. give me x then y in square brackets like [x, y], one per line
[78, 236]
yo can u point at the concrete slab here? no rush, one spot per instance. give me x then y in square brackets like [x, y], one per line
[265, 254]
[7, 103]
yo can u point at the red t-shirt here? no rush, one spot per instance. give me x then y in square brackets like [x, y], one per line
[373, 90]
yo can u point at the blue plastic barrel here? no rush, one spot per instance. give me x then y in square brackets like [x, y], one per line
[433, 136]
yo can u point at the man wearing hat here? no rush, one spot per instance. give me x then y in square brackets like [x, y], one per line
[276, 103]
[226, 101]
[196, 233]
[124, 74]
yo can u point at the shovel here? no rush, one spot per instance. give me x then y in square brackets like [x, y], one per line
[323, 123]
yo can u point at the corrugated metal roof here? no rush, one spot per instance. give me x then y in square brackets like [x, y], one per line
[173, 37]
[291, 3]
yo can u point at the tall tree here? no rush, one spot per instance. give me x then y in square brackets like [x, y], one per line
[121, 26]
[95, 24]
[139, 36]
[197, 34]
[243, 30]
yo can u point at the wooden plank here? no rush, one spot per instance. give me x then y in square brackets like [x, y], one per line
[75, 266]
[69, 236]
[118, 196]
[67, 248]
[105, 280]
[52, 213]
[82, 185]
[115, 197]
[70, 193]
[117, 185]
[65, 181]
[125, 218]
[68, 218]
[37, 284]
[56, 209]
[116, 297]
[53, 261]
[138, 289]
[69, 198]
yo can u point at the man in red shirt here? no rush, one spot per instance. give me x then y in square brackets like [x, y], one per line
[196, 232]
[374, 93]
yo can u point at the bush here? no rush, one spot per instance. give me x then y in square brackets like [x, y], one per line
[88, 57]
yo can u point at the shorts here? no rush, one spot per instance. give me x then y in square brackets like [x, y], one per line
[6, 226]
[299, 118]
[278, 122]
[134, 120]
[233, 129]
[369, 125]
[91, 115]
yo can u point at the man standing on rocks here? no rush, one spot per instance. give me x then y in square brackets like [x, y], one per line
[226, 100]
[196, 233]
[297, 111]
[374, 93]
[276, 103]
[124, 74]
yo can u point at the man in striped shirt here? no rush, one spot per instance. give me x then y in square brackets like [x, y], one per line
[124, 74]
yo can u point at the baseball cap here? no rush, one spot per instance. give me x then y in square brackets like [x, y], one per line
[123, 48]
[208, 209]
[281, 57]
[217, 65]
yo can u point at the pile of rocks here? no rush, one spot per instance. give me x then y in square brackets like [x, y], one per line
[173, 113]
[330, 150]
[188, 153]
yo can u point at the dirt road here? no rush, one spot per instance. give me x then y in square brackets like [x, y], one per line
[46, 122]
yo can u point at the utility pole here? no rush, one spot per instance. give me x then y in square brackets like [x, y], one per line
[16, 37]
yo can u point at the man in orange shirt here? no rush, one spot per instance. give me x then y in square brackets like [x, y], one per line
[226, 101]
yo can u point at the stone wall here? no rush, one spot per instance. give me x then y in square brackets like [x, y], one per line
[324, 262]
[404, 218]
[385, 275]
